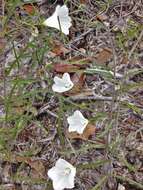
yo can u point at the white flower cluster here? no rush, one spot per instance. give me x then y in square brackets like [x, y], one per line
[63, 173]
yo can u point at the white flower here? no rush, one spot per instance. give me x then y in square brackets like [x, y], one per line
[77, 122]
[62, 175]
[62, 84]
[60, 19]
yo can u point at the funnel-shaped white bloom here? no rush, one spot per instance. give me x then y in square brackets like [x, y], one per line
[62, 84]
[77, 122]
[60, 19]
[62, 175]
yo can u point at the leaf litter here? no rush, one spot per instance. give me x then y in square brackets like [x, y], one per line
[33, 139]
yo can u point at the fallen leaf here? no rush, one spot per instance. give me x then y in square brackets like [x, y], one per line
[66, 68]
[89, 130]
[78, 79]
[38, 166]
[76, 63]
[103, 56]
[58, 48]
[30, 8]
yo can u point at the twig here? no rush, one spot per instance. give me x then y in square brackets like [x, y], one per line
[45, 109]
[96, 97]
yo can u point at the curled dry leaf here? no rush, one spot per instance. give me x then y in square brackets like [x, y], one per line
[103, 56]
[88, 131]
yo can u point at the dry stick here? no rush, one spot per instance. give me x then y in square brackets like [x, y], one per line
[83, 98]
[45, 109]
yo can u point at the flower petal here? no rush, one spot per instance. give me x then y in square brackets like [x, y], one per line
[52, 21]
[53, 173]
[62, 164]
[59, 89]
[78, 128]
[62, 183]
[70, 181]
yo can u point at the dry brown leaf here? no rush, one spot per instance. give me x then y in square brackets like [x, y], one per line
[78, 79]
[30, 8]
[76, 63]
[58, 48]
[89, 130]
[38, 166]
[69, 68]
[103, 56]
